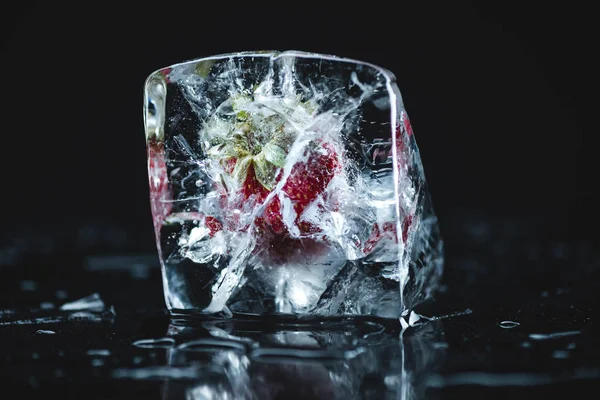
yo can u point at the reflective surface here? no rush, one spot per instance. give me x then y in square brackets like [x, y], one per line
[516, 320]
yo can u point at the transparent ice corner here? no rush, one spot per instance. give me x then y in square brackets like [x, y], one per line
[287, 183]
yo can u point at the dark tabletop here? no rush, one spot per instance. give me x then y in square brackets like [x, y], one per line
[515, 318]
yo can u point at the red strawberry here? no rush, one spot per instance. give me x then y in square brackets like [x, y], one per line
[406, 123]
[252, 156]
[160, 194]
[165, 72]
[213, 225]
[402, 148]
[250, 188]
[306, 182]
[388, 230]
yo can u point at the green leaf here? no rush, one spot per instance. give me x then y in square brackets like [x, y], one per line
[241, 168]
[242, 115]
[265, 171]
[284, 139]
[203, 67]
[274, 154]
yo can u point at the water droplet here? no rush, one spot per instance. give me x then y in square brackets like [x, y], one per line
[138, 360]
[59, 373]
[571, 346]
[98, 352]
[560, 354]
[490, 379]
[47, 305]
[35, 356]
[544, 294]
[28, 286]
[547, 336]
[154, 372]
[97, 362]
[45, 332]
[161, 343]
[440, 345]
[84, 315]
[526, 345]
[92, 302]
[508, 324]
[212, 343]
[467, 311]
[61, 294]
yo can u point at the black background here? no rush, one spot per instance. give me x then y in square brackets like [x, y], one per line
[497, 95]
[500, 99]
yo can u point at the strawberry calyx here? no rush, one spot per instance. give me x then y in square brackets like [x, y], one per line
[258, 137]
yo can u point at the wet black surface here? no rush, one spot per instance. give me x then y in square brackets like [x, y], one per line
[516, 319]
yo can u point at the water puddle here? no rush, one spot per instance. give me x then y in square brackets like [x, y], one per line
[510, 379]
[283, 353]
[158, 372]
[91, 302]
[209, 344]
[87, 309]
[508, 324]
[45, 332]
[221, 358]
[464, 312]
[34, 321]
[550, 336]
[160, 343]
[98, 352]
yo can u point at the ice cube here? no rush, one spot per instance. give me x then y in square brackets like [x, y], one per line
[288, 182]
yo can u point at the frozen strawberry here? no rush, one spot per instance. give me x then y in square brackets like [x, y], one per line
[306, 182]
[213, 225]
[407, 125]
[253, 165]
[402, 148]
[387, 230]
[160, 194]
[165, 72]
